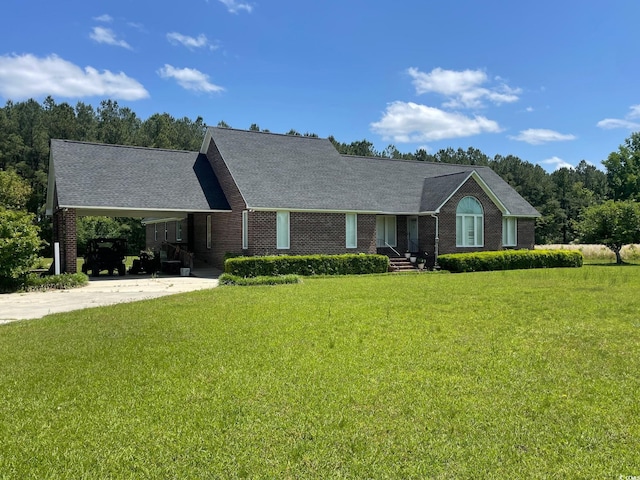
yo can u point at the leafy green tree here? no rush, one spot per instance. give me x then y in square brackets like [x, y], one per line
[613, 224]
[593, 180]
[19, 243]
[14, 191]
[573, 196]
[107, 227]
[423, 156]
[87, 123]
[361, 148]
[158, 131]
[471, 156]
[391, 152]
[623, 170]
[189, 133]
[117, 125]
[60, 120]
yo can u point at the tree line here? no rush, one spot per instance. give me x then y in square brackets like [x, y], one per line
[560, 197]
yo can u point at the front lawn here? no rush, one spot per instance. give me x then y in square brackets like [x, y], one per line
[512, 374]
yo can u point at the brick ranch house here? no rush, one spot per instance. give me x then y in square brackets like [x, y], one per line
[257, 193]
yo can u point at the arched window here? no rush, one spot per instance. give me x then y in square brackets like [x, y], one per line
[469, 223]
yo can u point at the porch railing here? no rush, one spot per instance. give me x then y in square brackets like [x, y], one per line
[394, 250]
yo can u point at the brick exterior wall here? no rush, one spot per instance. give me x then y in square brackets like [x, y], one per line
[309, 233]
[64, 231]
[226, 227]
[492, 221]
[172, 229]
[526, 233]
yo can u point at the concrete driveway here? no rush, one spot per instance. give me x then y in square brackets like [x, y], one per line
[99, 292]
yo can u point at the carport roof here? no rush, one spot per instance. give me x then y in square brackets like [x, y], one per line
[115, 180]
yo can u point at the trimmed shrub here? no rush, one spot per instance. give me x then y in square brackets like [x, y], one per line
[228, 279]
[509, 260]
[32, 282]
[55, 282]
[306, 265]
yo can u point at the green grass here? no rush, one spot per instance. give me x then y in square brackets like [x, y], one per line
[45, 262]
[514, 374]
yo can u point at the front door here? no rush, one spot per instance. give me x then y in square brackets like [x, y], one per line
[412, 234]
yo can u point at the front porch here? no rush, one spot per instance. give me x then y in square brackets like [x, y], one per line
[406, 237]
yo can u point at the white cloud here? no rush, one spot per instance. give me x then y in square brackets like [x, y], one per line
[538, 136]
[189, 79]
[410, 122]
[234, 6]
[29, 76]
[611, 123]
[557, 163]
[106, 35]
[529, 109]
[463, 89]
[104, 18]
[190, 42]
[626, 122]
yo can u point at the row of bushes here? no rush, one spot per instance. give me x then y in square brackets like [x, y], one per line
[509, 260]
[306, 265]
[228, 279]
[33, 282]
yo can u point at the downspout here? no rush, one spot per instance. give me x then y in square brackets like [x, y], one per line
[437, 240]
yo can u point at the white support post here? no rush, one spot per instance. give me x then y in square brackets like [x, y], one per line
[56, 257]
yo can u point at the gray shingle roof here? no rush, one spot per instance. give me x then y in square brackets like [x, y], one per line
[133, 178]
[275, 171]
[271, 171]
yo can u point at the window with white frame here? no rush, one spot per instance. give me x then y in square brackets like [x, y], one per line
[178, 231]
[509, 231]
[351, 230]
[469, 223]
[386, 231]
[208, 231]
[282, 231]
[245, 229]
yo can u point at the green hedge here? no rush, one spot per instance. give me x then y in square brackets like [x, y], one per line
[271, 266]
[509, 260]
[228, 279]
[33, 282]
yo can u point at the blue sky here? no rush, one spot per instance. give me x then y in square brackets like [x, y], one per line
[553, 82]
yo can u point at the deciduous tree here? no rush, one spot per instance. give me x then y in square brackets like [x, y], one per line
[613, 224]
[623, 169]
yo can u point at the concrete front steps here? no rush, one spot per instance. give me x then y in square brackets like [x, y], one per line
[401, 264]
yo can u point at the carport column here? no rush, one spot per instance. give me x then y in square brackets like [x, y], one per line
[64, 231]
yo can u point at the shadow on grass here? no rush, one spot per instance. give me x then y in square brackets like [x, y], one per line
[611, 264]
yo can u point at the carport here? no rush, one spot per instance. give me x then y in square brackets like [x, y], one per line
[89, 179]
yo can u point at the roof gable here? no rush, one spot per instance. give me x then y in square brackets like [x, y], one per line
[450, 180]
